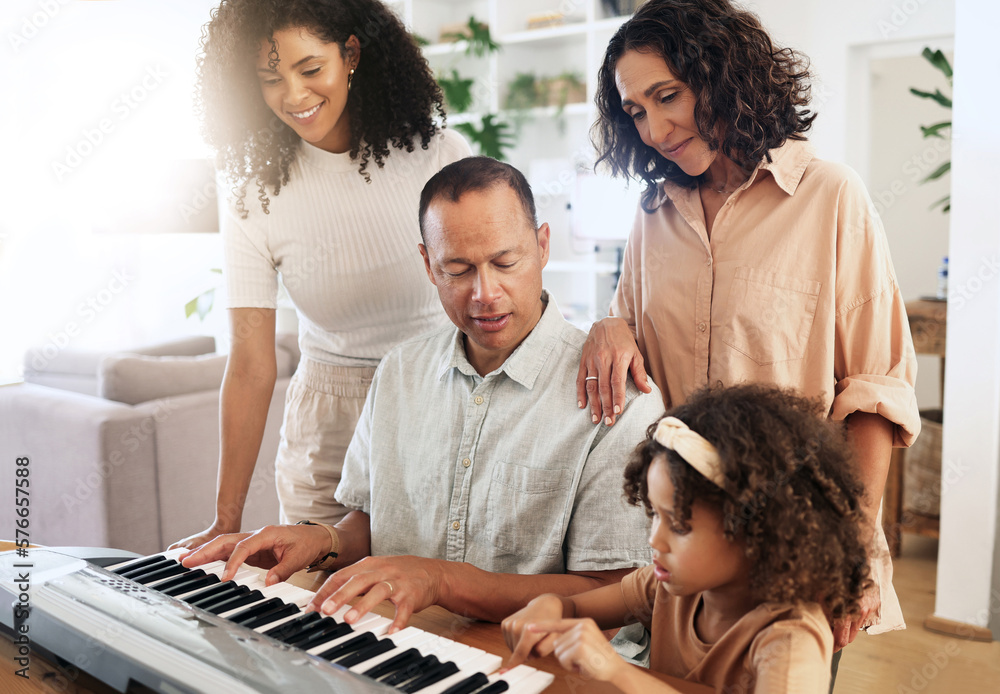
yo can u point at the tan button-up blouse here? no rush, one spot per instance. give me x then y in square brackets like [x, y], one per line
[794, 288]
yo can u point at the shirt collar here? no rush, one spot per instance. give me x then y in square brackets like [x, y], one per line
[526, 361]
[787, 166]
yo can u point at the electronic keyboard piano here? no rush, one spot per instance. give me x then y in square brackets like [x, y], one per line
[154, 622]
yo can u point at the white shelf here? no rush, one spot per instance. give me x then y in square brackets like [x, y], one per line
[445, 48]
[577, 29]
[581, 108]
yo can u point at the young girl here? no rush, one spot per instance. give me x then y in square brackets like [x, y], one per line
[322, 113]
[754, 527]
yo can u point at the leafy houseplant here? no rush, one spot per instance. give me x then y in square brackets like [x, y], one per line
[493, 136]
[457, 91]
[940, 62]
[203, 303]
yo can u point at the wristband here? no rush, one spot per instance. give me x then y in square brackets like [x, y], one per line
[326, 562]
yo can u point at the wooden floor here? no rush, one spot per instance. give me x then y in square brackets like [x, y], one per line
[917, 661]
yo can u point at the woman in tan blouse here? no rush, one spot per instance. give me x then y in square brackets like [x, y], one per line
[750, 260]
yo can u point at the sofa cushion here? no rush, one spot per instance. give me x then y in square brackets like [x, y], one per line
[135, 378]
[82, 362]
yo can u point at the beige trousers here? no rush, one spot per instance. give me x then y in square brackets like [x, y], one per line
[322, 407]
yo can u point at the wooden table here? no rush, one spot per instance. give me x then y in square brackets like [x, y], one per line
[47, 678]
[928, 326]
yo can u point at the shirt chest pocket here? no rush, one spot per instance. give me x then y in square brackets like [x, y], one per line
[768, 316]
[526, 509]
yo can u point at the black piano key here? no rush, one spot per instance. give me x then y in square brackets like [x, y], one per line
[432, 676]
[367, 653]
[336, 632]
[273, 616]
[194, 584]
[349, 646]
[190, 575]
[215, 593]
[208, 603]
[495, 688]
[394, 663]
[283, 631]
[468, 685]
[412, 670]
[135, 573]
[234, 603]
[309, 630]
[139, 563]
[167, 572]
[256, 610]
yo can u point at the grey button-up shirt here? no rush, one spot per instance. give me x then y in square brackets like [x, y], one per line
[501, 471]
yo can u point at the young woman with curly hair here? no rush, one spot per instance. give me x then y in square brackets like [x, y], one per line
[750, 260]
[755, 539]
[325, 110]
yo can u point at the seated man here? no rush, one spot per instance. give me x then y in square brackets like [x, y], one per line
[467, 457]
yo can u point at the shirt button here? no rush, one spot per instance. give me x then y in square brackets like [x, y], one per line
[479, 399]
[466, 462]
[456, 525]
[701, 327]
[708, 263]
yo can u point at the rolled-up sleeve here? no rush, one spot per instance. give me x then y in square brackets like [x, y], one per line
[875, 365]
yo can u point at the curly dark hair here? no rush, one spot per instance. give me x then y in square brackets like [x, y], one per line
[790, 495]
[393, 98]
[750, 95]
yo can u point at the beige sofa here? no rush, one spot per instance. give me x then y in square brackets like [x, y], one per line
[124, 447]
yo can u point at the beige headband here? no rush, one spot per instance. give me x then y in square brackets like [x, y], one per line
[673, 434]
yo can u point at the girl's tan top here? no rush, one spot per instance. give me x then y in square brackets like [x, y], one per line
[775, 648]
[794, 288]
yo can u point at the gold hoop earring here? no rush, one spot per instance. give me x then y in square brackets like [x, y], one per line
[350, 78]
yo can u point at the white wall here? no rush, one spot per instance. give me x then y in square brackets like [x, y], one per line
[827, 31]
[900, 157]
[969, 554]
[94, 91]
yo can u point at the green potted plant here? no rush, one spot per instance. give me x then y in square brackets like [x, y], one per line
[493, 136]
[940, 62]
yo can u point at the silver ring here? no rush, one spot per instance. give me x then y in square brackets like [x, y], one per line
[590, 378]
[390, 587]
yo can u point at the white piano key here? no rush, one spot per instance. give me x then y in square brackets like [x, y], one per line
[535, 683]
[483, 662]
[514, 676]
[445, 649]
[174, 553]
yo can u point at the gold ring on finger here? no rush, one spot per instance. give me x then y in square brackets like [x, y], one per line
[390, 587]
